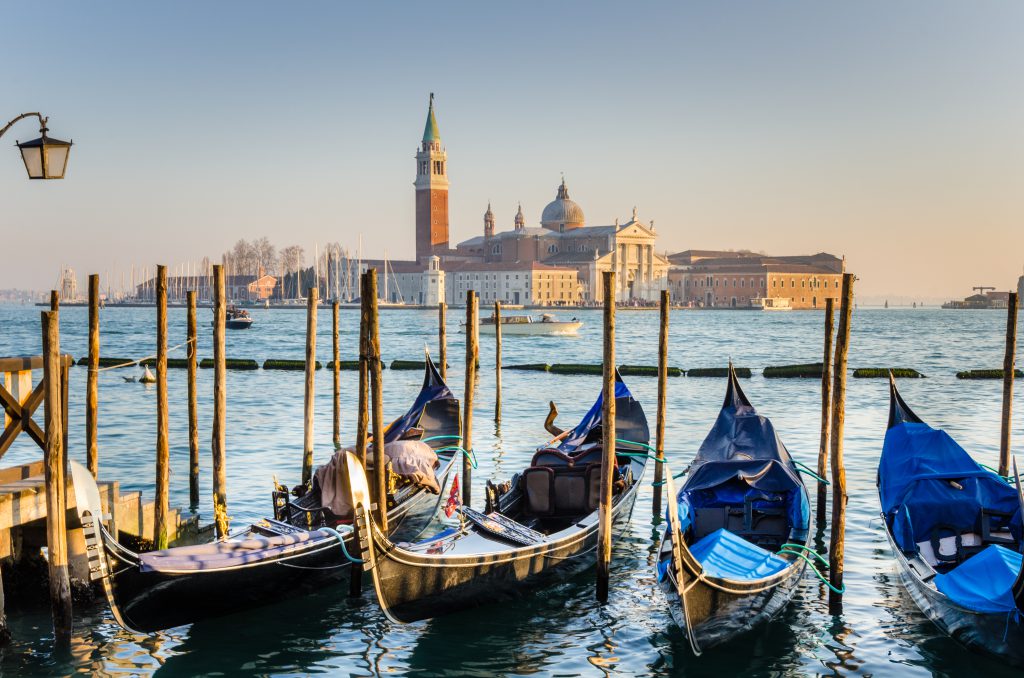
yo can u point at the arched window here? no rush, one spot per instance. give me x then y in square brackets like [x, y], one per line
[552, 248]
[496, 249]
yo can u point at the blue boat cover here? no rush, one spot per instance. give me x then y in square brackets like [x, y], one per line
[630, 421]
[725, 555]
[914, 474]
[433, 389]
[984, 582]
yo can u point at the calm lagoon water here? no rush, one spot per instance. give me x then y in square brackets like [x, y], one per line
[561, 631]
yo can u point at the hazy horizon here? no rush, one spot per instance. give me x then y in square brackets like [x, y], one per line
[888, 133]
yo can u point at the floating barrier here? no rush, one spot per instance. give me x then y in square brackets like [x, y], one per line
[883, 373]
[406, 365]
[647, 371]
[108, 362]
[805, 371]
[171, 362]
[231, 364]
[985, 374]
[576, 368]
[742, 372]
[286, 364]
[346, 365]
[529, 367]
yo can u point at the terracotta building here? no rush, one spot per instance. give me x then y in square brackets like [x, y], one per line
[708, 278]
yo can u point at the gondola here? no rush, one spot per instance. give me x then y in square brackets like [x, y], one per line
[955, 530]
[541, 525]
[297, 549]
[733, 552]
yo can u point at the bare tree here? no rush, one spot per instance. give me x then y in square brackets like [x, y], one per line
[266, 255]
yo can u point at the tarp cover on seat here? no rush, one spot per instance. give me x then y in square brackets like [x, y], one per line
[223, 554]
[728, 556]
[983, 583]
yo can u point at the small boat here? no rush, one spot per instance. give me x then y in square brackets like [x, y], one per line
[771, 303]
[540, 526]
[236, 318]
[955, 530]
[304, 546]
[526, 324]
[735, 546]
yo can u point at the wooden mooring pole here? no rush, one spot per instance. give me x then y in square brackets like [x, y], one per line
[826, 414]
[442, 338]
[467, 396]
[659, 427]
[56, 505]
[54, 300]
[363, 411]
[497, 362]
[92, 389]
[161, 507]
[604, 525]
[310, 394]
[193, 402]
[220, 493]
[1008, 367]
[837, 535]
[377, 397]
[336, 437]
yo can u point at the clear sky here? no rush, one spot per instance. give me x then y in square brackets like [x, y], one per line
[888, 132]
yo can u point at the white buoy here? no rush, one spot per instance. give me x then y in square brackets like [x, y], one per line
[148, 377]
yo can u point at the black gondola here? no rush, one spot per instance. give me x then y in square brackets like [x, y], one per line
[542, 525]
[955, 530]
[297, 549]
[730, 558]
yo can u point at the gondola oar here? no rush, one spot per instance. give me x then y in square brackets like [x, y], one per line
[677, 557]
[1018, 584]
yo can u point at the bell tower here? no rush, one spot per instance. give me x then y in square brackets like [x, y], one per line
[431, 191]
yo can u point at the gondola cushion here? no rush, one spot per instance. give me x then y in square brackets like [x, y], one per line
[727, 556]
[227, 554]
[539, 487]
[984, 583]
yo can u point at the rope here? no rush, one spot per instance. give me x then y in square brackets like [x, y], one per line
[801, 551]
[471, 455]
[649, 448]
[136, 362]
[804, 468]
[341, 540]
[427, 440]
[682, 473]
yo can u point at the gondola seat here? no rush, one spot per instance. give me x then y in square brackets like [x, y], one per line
[561, 490]
[726, 555]
[760, 520]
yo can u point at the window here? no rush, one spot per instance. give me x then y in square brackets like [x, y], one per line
[743, 283]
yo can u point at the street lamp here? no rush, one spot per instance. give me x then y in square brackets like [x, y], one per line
[45, 157]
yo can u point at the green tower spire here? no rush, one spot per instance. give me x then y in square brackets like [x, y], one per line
[430, 132]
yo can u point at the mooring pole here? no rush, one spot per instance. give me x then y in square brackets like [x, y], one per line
[54, 300]
[92, 389]
[442, 338]
[363, 413]
[604, 525]
[335, 309]
[161, 506]
[1008, 367]
[467, 396]
[310, 396]
[220, 492]
[380, 471]
[659, 429]
[193, 402]
[56, 505]
[826, 413]
[837, 536]
[497, 361]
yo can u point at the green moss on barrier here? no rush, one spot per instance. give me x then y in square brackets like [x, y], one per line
[171, 362]
[529, 367]
[647, 371]
[231, 364]
[577, 368]
[805, 371]
[288, 364]
[883, 373]
[408, 365]
[344, 365]
[108, 362]
[985, 374]
[742, 372]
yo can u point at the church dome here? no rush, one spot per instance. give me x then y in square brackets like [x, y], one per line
[562, 213]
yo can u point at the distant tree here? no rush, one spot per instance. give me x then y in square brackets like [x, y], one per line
[266, 255]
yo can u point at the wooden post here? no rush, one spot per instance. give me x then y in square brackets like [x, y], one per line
[56, 505]
[659, 428]
[826, 413]
[604, 526]
[193, 404]
[363, 412]
[837, 534]
[307, 427]
[467, 396]
[497, 361]
[161, 507]
[92, 390]
[442, 338]
[54, 300]
[380, 472]
[1008, 366]
[220, 493]
[335, 309]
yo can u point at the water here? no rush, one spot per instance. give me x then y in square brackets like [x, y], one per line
[560, 631]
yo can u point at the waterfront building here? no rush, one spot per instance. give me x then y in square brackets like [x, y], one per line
[237, 288]
[527, 283]
[711, 278]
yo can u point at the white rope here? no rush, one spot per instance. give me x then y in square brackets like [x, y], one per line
[136, 362]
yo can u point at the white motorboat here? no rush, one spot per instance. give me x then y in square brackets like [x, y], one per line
[771, 303]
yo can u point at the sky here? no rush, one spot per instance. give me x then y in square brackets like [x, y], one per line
[886, 132]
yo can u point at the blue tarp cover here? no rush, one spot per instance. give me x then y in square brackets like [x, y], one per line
[630, 422]
[983, 583]
[433, 389]
[918, 462]
[729, 556]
